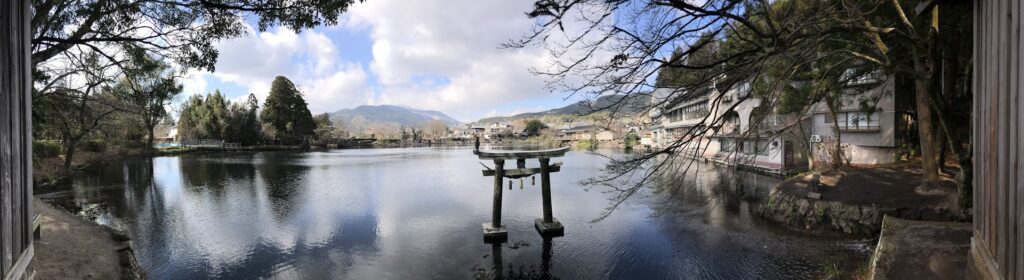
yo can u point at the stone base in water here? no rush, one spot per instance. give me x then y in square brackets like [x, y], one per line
[494, 233]
[554, 228]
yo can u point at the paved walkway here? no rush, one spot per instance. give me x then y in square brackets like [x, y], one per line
[73, 248]
[879, 186]
[854, 200]
[910, 249]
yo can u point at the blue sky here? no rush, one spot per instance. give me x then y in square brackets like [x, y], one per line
[430, 54]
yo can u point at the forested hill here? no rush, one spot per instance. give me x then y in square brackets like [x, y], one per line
[366, 116]
[605, 103]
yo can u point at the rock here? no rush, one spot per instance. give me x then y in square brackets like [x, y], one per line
[119, 236]
[852, 213]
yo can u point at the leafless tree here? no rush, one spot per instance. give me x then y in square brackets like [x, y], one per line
[619, 47]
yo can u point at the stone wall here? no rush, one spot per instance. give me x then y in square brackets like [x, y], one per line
[823, 216]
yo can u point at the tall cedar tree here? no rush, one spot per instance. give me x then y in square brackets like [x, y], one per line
[286, 111]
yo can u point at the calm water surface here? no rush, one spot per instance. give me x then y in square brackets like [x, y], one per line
[415, 213]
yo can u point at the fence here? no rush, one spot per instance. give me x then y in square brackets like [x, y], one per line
[202, 143]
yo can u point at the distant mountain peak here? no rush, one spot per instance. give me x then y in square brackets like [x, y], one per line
[368, 115]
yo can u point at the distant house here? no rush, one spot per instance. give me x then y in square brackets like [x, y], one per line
[169, 135]
[579, 132]
[496, 130]
[478, 129]
[460, 133]
[605, 136]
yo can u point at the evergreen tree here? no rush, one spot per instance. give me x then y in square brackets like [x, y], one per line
[324, 126]
[215, 116]
[533, 127]
[287, 112]
[190, 118]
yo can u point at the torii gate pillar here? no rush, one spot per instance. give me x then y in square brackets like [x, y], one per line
[548, 225]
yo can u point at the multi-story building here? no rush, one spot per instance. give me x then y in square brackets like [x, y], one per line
[874, 119]
[874, 123]
[747, 132]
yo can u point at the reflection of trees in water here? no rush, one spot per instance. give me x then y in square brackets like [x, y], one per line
[282, 179]
[213, 173]
[516, 272]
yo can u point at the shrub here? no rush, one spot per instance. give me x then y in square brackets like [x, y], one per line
[97, 146]
[45, 149]
[632, 140]
[586, 144]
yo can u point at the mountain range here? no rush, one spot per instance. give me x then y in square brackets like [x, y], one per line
[362, 117]
[366, 117]
[619, 102]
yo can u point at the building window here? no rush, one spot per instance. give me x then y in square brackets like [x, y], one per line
[692, 111]
[762, 147]
[855, 120]
[749, 147]
[727, 145]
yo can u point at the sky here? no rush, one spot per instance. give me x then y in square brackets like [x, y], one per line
[440, 55]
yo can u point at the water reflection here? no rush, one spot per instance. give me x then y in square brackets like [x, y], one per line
[416, 213]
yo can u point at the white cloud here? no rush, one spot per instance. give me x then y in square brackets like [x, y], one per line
[430, 54]
[310, 60]
[457, 41]
[193, 82]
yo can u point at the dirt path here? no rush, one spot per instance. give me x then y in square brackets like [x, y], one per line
[73, 248]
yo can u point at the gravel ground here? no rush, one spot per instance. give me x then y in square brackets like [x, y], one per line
[73, 248]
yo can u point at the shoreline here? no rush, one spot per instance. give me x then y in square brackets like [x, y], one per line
[71, 246]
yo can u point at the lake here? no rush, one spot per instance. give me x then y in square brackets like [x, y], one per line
[415, 213]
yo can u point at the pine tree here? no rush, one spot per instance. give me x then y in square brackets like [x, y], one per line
[287, 112]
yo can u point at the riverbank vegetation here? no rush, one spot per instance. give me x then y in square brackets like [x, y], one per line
[100, 79]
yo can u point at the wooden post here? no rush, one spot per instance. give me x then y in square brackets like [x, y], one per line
[499, 176]
[545, 185]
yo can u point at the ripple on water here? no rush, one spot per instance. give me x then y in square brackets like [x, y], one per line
[416, 213]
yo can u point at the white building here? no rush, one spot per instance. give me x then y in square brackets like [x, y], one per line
[496, 130]
[875, 126]
[737, 128]
[731, 127]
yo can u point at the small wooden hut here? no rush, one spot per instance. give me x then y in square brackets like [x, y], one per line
[997, 248]
[16, 249]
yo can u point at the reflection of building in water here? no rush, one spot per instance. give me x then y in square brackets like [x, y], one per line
[721, 195]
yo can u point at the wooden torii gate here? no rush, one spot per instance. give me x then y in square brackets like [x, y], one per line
[547, 225]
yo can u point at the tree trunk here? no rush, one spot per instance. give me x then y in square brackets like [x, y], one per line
[926, 133]
[837, 151]
[955, 141]
[69, 151]
[149, 140]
